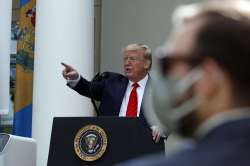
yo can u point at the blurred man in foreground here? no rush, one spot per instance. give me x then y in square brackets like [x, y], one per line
[207, 94]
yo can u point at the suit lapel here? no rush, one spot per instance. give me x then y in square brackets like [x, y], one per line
[147, 86]
[121, 89]
[120, 93]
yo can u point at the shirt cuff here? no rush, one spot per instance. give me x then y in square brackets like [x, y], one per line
[73, 83]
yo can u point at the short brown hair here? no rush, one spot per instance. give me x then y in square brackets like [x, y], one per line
[225, 37]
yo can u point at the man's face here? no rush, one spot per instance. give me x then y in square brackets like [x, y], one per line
[179, 49]
[209, 87]
[180, 56]
[135, 64]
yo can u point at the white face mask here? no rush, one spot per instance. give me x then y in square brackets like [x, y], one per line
[162, 96]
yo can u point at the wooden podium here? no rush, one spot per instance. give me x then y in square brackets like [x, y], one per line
[126, 138]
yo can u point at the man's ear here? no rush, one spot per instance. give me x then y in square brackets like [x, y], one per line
[214, 71]
[216, 88]
[212, 82]
[147, 64]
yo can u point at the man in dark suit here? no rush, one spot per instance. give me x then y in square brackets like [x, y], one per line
[120, 95]
[207, 59]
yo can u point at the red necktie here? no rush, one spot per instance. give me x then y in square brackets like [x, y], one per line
[133, 102]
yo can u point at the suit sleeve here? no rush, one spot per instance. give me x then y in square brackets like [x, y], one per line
[83, 87]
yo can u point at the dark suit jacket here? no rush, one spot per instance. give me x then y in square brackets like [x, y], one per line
[109, 90]
[226, 145]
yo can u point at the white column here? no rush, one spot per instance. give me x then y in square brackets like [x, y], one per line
[64, 33]
[5, 38]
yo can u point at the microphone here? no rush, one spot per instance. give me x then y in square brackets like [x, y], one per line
[97, 77]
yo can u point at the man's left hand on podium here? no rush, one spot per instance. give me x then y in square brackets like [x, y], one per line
[157, 133]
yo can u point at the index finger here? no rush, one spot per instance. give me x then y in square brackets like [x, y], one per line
[65, 65]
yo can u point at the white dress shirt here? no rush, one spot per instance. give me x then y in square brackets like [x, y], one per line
[140, 91]
[73, 83]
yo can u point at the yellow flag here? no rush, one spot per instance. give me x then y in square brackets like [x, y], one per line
[24, 69]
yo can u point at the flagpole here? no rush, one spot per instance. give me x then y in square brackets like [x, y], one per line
[64, 33]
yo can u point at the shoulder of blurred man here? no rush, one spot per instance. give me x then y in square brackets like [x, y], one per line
[227, 144]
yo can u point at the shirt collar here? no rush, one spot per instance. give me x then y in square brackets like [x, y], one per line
[142, 83]
[221, 118]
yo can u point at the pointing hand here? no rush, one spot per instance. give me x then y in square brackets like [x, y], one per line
[69, 73]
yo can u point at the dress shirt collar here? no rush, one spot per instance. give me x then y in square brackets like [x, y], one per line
[142, 83]
[219, 119]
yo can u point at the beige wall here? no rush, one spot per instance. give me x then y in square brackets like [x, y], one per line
[126, 21]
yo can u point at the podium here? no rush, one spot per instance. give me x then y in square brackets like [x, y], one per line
[126, 138]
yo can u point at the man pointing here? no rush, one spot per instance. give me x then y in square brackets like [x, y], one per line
[120, 95]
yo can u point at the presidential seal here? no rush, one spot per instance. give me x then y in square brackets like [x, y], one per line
[90, 143]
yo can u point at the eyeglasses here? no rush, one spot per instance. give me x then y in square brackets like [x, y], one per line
[168, 61]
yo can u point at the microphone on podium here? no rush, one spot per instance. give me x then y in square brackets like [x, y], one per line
[97, 77]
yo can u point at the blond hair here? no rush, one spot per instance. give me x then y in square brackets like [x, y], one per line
[139, 46]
